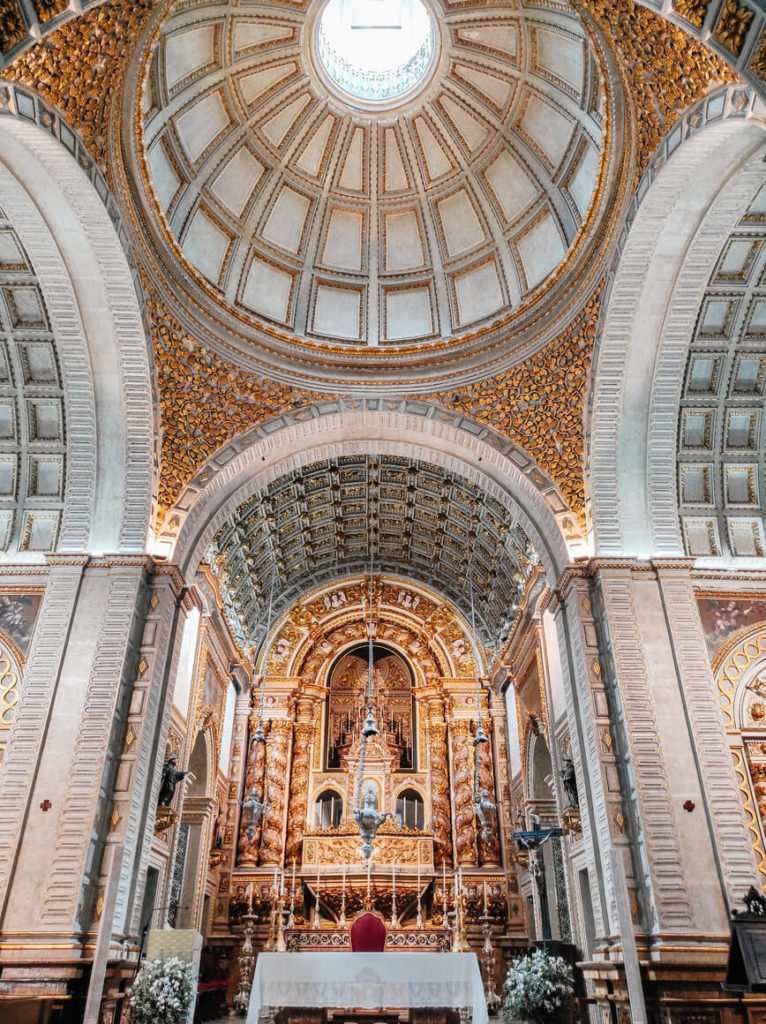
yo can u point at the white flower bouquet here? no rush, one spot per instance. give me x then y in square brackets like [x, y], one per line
[538, 988]
[162, 992]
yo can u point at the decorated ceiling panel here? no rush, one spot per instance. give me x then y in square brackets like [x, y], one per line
[722, 427]
[347, 225]
[414, 519]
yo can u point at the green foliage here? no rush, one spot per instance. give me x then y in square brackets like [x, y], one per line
[162, 992]
[538, 988]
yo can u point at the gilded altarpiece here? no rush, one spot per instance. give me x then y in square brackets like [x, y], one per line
[421, 767]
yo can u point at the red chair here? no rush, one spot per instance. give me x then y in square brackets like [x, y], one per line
[368, 934]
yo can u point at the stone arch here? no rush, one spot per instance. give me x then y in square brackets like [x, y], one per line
[101, 498]
[411, 429]
[647, 322]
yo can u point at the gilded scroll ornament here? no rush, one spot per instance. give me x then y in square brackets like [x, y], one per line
[732, 26]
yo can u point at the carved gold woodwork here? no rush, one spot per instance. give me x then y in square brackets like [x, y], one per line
[489, 846]
[439, 768]
[342, 845]
[165, 818]
[277, 756]
[462, 792]
[299, 780]
[254, 777]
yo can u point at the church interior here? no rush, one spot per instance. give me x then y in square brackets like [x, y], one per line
[382, 492]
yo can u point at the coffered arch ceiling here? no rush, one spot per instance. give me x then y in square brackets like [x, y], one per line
[722, 426]
[423, 522]
[319, 227]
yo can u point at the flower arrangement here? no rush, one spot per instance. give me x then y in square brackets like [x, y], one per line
[538, 988]
[162, 992]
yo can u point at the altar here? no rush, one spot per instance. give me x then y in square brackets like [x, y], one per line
[367, 981]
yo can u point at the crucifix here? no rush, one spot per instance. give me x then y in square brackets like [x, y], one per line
[532, 841]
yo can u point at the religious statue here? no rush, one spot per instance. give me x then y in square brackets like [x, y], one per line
[570, 782]
[253, 809]
[369, 821]
[170, 779]
[485, 812]
[218, 830]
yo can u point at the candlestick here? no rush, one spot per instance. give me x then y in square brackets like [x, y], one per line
[342, 918]
[394, 918]
[485, 896]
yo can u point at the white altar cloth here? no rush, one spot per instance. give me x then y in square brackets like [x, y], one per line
[368, 981]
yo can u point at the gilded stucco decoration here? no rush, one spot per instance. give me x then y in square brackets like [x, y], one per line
[539, 404]
[664, 69]
[12, 28]
[206, 400]
[80, 68]
[732, 26]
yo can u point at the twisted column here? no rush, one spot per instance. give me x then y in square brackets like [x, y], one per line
[489, 844]
[247, 849]
[299, 778]
[439, 758]
[462, 779]
[278, 747]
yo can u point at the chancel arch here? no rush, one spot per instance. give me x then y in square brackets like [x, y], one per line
[410, 430]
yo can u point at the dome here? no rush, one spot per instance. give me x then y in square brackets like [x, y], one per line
[322, 219]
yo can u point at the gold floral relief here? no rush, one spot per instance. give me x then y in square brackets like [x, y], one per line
[80, 67]
[538, 404]
[12, 27]
[732, 26]
[664, 69]
[693, 10]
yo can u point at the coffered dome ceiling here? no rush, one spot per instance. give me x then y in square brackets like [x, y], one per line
[315, 224]
[424, 523]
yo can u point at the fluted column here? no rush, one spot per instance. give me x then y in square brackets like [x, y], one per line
[439, 768]
[462, 778]
[299, 777]
[277, 758]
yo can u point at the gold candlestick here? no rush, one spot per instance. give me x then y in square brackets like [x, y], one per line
[280, 943]
[394, 918]
[342, 918]
[459, 942]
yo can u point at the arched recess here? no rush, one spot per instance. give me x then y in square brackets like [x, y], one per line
[649, 316]
[195, 828]
[739, 669]
[409, 429]
[88, 462]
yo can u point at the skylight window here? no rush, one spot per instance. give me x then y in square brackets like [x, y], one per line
[375, 50]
